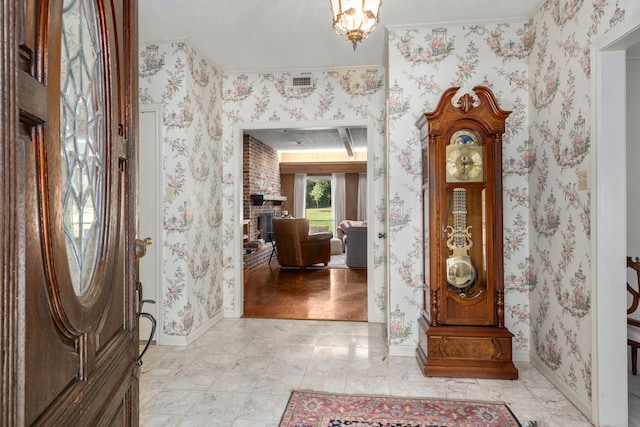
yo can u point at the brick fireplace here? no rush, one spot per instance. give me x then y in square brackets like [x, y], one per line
[261, 174]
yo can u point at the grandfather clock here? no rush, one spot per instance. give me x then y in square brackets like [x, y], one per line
[462, 332]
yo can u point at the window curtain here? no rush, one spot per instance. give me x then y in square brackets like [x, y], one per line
[338, 189]
[299, 195]
[362, 197]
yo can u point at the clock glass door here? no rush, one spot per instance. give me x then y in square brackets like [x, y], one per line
[465, 240]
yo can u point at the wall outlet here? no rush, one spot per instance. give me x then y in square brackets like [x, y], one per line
[583, 180]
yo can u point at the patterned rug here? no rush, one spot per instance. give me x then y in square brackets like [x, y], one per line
[337, 261]
[313, 409]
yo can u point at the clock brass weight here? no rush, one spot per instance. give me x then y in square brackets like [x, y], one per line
[462, 332]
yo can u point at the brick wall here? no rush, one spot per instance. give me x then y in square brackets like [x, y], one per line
[259, 257]
[260, 172]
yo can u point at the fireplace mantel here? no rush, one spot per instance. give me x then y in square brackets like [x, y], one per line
[260, 199]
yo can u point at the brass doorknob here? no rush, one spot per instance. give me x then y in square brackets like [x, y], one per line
[141, 246]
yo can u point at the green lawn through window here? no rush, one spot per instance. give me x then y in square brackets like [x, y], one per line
[320, 216]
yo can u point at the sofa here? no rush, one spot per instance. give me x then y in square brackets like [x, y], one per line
[356, 256]
[296, 247]
[344, 226]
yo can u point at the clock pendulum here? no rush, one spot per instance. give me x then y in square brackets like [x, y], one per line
[461, 271]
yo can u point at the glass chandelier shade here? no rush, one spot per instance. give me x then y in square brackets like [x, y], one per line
[355, 19]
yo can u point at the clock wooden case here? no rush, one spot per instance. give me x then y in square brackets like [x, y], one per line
[462, 332]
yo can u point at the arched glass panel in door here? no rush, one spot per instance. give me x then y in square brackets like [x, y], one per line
[82, 139]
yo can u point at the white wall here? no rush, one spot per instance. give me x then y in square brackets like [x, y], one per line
[633, 156]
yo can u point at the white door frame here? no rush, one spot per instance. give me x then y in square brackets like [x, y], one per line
[608, 222]
[238, 132]
[154, 252]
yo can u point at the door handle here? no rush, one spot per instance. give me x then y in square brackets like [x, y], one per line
[152, 319]
[141, 246]
[382, 235]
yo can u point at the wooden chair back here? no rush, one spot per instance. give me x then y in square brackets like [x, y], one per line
[633, 325]
[635, 292]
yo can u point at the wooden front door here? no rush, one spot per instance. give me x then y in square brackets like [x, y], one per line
[69, 301]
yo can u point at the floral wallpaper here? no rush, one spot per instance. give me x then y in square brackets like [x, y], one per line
[423, 63]
[539, 69]
[559, 230]
[333, 95]
[190, 91]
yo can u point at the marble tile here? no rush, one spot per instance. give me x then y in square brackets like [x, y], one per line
[299, 351]
[361, 353]
[331, 385]
[212, 363]
[159, 420]
[414, 389]
[367, 369]
[204, 421]
[335, 340]
[371, 385]
[265, 407]
[328, 368]
[292, 366]
[331, 352]
[192, 379]
[173, 358]
[235, 382]
[171, 402]
[250, 364]
[215, 404]
[278, 384]
[240, 374]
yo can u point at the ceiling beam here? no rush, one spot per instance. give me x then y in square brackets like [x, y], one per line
[345, 136]
[323, 168]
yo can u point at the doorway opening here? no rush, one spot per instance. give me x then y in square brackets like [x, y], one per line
[609, 242]
[241, 129]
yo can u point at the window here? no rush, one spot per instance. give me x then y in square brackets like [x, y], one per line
[319, 209]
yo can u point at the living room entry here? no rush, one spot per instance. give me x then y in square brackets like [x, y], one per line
[311, 183]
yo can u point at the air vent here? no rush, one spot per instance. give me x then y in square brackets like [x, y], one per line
[301, 81]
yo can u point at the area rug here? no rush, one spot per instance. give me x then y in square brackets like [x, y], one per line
[315, 409]
[336, 261]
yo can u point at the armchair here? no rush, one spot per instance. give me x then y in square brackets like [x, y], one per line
[633, 325]
[295, 247]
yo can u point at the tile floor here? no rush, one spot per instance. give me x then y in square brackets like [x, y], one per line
[240, 373]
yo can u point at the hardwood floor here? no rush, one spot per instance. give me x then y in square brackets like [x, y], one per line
[313, 294]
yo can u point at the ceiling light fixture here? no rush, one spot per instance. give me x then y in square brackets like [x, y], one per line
[355, 19]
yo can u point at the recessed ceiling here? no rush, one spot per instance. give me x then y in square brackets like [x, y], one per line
[315, 140]
[258, 35]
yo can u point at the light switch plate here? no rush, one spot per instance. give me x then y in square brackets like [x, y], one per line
[583, 180]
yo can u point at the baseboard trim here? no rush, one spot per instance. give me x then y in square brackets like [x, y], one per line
[578, 401]
[185, 340]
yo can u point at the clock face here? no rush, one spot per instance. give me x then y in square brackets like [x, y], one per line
[465, 163]
[464, 137]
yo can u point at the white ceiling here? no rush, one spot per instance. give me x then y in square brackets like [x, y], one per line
[270, 35]
[317, 140]
[260, 35]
